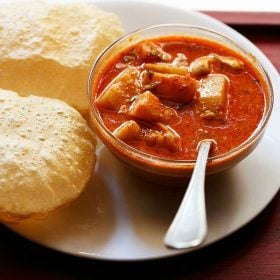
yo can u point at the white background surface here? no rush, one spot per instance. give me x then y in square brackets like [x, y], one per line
[211, 5]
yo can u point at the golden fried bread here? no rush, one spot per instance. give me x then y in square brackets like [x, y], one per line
[47, 155]
[48, 49]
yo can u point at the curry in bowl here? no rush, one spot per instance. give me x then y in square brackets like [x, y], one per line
[155, 97]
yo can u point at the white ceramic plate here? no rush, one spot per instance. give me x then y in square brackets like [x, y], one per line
[122, 217]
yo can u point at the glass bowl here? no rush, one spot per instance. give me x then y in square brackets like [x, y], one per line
[162, 169]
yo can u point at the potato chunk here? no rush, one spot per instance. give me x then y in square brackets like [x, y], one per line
[172, 87]
[166, 68]
[120, 90]
[201, 66]
[180, 61]
[148, 107]
[129, 130]
[212, 102]
[233, 62]
[150, 51]
[165, 137]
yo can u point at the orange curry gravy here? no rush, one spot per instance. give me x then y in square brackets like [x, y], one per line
[244, 106]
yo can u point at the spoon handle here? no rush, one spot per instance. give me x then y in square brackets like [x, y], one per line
[189, 227]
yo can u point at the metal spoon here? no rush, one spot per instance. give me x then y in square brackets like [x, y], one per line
[189, 227]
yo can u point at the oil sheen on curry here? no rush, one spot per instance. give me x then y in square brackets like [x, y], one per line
[163, 96]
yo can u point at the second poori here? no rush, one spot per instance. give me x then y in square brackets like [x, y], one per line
[47, 155]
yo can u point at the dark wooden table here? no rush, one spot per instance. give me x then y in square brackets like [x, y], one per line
[252, 253]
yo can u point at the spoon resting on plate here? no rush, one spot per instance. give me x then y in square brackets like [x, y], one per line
[189, 227]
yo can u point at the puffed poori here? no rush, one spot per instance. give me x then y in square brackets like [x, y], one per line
[47, 155]
[47, 48]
